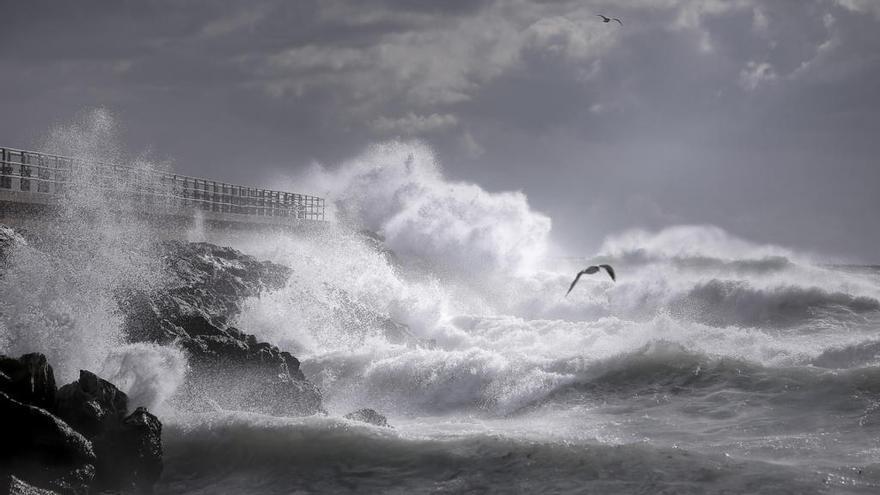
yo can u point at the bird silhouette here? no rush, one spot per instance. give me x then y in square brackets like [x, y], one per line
[607, 19]
[591, 270]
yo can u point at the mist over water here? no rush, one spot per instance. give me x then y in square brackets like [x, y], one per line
[713, 363]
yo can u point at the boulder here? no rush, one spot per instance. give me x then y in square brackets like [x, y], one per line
[128, 448]
[91, 404]
[204, 290]
[130, 455]
[42, 450]
[368, 416]
[292, 366]
[205, 286]
[14, 486]
[28, 379]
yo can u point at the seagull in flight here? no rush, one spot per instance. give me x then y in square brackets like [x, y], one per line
[591, 270]
[606, 19]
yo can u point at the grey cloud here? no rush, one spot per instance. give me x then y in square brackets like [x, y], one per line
[866, 6]
[749, 114]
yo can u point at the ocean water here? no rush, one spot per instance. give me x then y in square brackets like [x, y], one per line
[712, 365]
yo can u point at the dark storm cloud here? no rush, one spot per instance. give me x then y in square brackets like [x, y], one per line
[758, 116]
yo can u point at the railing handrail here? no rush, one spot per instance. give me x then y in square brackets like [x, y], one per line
[208, 193]
[136, 169]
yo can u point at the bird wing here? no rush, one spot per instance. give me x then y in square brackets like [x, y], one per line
[575, 281]
[610, 272]
[603, 17]
[618, 20]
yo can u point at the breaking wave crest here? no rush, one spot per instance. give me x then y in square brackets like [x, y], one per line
[398, 190]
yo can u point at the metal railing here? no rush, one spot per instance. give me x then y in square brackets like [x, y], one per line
[36, 173]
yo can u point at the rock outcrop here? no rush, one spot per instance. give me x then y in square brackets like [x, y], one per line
[28, 379]
[42, 449]
[92, 405]
[204, 289]
[75, 440]
[14, 486]
[128, 448]
[369, 416]
[130, 453]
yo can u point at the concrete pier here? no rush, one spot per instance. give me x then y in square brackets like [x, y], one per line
[33, 184]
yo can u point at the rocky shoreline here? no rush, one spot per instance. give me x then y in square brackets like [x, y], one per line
[204, 288]
[73, 440]
[81, 438]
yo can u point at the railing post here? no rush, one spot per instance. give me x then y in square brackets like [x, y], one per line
[5, 169]
[24, 172]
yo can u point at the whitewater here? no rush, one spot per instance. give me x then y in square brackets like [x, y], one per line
[713, 364]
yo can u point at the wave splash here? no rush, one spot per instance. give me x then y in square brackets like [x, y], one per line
[398, 190]
[57, 290]
[507, 338]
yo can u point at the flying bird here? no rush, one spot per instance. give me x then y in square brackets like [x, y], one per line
[591, 270]
[606, 19]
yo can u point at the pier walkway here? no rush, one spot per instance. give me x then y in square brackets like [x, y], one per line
[30, 180]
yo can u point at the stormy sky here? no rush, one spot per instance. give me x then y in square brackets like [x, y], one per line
[761, 117]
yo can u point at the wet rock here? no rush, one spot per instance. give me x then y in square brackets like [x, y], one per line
[28, 379]
[292, 366]
[128, 448]
[205, 286]
[76, 482]
[368, 416]
[91, 404]
[15, 486]
[256, 378]
[42, 450]
[130, 455]
[204, 290]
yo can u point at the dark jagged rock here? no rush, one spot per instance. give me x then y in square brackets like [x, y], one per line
[91, 404]
[368, 416]
[237, 372]
[42, 450]
[205, 286]
[130, 455]
[128, 449]
[292, 366]
[28, 379]
[14, 486]
[204, 289]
